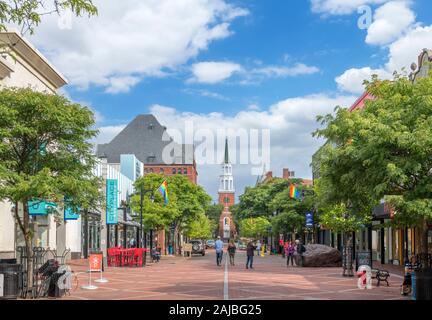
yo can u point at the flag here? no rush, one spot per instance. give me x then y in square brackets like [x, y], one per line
[294, 193]
[163, 189]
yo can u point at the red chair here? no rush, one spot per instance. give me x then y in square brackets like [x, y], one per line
[138, 257]
[127, 257]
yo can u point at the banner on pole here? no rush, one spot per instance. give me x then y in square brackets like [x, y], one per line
[111, 202]
[309, 220]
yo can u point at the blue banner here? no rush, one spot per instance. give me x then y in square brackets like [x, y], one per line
[40, 207]
[309, 220]
[111, 201]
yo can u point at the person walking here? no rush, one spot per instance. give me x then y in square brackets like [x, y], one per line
[132, 243]
[219, 250]
[290, 249]
[250, 254]
[284, 250]
[258, 247]
[300, 250]
[231, 251]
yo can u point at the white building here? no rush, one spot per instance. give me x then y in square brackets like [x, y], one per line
[22, 65]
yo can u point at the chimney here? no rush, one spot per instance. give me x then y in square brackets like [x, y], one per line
[269, 174]
[286, 174]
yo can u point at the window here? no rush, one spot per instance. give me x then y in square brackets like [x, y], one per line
[174, 171]
[185, 171]
[161, 170]
[151, 170]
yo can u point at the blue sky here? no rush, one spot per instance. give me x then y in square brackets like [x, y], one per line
[257, 64]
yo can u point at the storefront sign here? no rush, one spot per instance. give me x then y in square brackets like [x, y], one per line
[95, 262]
[111, 202]
[309, 220]
[39, 207]
[69, 214]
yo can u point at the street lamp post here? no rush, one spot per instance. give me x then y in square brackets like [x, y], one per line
[143, 236]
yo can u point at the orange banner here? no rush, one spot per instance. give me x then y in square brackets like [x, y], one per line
[95, 262]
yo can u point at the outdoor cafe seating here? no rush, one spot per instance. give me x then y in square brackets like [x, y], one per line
[122, 257]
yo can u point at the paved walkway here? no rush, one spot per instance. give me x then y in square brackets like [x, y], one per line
[198, 278]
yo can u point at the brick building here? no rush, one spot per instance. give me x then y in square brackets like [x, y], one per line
[149, 141]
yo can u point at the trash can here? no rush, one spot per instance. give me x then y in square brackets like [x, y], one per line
[9, 281]
[423, 285]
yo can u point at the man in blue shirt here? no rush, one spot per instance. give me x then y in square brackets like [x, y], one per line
[219, 250]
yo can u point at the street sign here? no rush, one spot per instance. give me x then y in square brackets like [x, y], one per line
[2, 285]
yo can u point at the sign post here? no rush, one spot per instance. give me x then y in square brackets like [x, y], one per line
[95, 264]
[187, 247]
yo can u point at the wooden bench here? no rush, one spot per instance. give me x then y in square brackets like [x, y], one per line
[380, 275]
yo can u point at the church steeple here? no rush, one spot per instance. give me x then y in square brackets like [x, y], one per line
[226, 178]
[226, 152]
[227, 228]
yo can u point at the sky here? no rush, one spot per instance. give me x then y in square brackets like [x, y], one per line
[233, 64]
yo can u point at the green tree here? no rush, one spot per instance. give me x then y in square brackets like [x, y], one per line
[213, 213]
[187, 202]
[45, 154]
[254, 227]
[156, 215]
[191, 201]
[383, 151]
[27, 14]
[256, 201]
[199, 228]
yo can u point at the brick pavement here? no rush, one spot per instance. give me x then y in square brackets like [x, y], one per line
[198, 278]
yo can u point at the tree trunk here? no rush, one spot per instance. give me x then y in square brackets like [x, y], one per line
[28, 243]
[424, 230]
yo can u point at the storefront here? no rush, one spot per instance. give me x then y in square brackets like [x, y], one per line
[90, 234]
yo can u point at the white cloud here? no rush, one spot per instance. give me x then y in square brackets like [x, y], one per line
[341, 7]
[282, 71]
[121, 84]
[133, 39]
[212, 72]
[390, 22]
[291, 122]
[405, 50]
[352, 79]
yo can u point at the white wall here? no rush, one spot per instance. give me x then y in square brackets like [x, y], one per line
[24, 76]
[7, 229]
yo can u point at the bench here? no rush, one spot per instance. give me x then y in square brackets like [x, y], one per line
[380, 275]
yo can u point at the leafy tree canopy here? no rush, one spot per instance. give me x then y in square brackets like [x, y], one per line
[254, 227]
[382, 151]
[27, 14]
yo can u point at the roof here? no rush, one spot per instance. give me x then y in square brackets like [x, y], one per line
[146, 138]
[226, 152]
[360, 102]
[33, 57]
